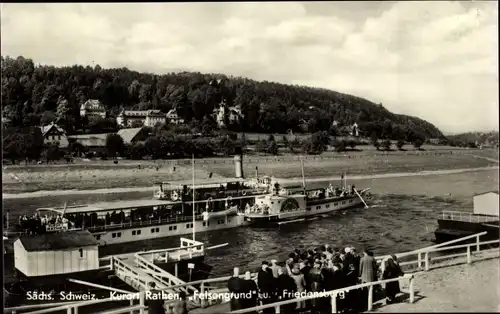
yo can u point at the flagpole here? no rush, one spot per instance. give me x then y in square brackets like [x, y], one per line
[194, 213]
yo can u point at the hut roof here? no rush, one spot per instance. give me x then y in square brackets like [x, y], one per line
[57, 241]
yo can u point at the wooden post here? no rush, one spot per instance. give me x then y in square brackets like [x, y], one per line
[277, 309]
[68, 310]
[419, 260]
[141, 301]
[469, 260]
[176, 270]
[132, 305]
[202, 293]
[75, 310]
[426, 261]
[477, 244]
[370, 298]
[333, 302]
[412, 289]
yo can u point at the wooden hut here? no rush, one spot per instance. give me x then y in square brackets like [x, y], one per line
[56, 254]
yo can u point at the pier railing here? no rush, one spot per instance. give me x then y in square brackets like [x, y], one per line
[144, 223]
[466, 217]
[423, 260]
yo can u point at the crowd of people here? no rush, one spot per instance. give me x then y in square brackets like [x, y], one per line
[318, 270]
[37, 224]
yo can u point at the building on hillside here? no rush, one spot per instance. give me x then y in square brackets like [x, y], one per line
[95, 143]
[128, 118]
[92, 107]
[173, 117]
[233, 114]
[133, 135]
[54, 135]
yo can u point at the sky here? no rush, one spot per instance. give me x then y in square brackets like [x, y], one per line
[435, 60]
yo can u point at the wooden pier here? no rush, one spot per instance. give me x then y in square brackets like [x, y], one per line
[422, 260]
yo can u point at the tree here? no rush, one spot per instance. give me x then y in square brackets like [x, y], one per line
[317, 144]
[114, 145]
[352, 144]
[153, 147]
[261, 146]
[386, 144]
[339, 145]
[272, 148]
[400, 144]
[418, 143]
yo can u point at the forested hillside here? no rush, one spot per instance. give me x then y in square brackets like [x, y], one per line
[37, 94]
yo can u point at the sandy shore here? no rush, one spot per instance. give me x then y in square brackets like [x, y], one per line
[460, 288]
[295, 180]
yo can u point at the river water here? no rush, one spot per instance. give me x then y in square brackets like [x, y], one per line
[401, 217]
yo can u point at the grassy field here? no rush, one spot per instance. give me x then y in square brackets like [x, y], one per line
[106, 174]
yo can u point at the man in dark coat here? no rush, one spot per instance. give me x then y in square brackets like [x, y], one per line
[286, 288]
[251, 291]
[235, 286]
[267, 286]
[155, 304]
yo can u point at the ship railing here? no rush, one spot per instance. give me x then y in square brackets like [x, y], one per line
[467, 217]
[144, 223]
[219, 285]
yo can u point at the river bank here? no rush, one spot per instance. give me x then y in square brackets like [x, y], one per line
[133, 175]
[291, 180]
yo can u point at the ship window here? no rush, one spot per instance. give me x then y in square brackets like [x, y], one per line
[113, 235]
[153, 230]
[138, 232]
[343, 202]
[175, 227]
[335, 204]
[133, 232]
[272, 202]
[327, 205]
[81, 253]
[157, 229]
[350, 201]
[98, 237]
[204, 224]
[318, 207]
[279, 202]
[119, 234]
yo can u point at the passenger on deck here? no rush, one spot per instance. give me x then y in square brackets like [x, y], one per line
[235, 286]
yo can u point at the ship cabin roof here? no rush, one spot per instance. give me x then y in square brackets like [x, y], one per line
[57, 241]
[108, 206]
[204, 183]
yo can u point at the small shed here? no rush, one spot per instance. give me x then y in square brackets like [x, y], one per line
[56, 253]
[486, 204]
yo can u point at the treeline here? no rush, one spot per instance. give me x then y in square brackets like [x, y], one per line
[474, 139]
[38, 94]
[26, 144]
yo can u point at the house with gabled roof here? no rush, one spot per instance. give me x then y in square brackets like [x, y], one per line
[54, 135]
[133, 135]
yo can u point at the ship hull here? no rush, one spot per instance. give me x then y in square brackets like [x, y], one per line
[452, 229]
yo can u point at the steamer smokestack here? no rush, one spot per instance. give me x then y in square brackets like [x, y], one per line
[238, 165]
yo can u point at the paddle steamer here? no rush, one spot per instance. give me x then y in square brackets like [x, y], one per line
[295, 203]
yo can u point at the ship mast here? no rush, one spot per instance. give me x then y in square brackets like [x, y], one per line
[194, 204]
[303, 176]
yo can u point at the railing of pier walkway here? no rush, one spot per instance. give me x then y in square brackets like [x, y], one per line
[207, 285]
[338, 293]
[467, 217]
